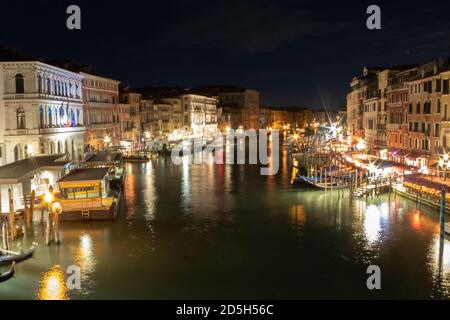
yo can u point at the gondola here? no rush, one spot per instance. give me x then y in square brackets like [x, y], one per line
[11, 257]
[8, 274]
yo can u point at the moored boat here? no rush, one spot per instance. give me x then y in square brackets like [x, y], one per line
[9, 257]
[86, 194]
[8, 274]
[447, 228]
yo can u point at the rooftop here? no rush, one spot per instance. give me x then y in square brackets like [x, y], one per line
[19, 169]
[89, 174]
[105, 157]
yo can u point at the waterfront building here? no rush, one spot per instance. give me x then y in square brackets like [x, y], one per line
[239, 105]
[199, 114]
[130, 118]
[36, 173]
[370, 115]
[444, 83]
[41, 111]
[101, 111]
[424, 115]
[360, 88]
[397, 101]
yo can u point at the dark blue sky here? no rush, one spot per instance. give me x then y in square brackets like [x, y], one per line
[295, 52]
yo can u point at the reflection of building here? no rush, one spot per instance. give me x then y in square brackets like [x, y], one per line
[41, 111]
[101, 111]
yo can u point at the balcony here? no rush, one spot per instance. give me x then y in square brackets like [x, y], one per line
[41, 131]
[29, 96]
[393, 126]
[98, 126]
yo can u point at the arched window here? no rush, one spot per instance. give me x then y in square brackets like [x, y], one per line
[438, 106]
[19, 84]
[21, 119]
[61, 116]
[50, 117]
[17, 152]
[41, 117]
[39, 80]
[72, 119]
[49, 86]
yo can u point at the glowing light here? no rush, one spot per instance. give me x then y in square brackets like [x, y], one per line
[107, 140]
[53, 286]
[361, 145]
[48, 197]
[57, 208]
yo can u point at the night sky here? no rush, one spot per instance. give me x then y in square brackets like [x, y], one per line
[301, 53]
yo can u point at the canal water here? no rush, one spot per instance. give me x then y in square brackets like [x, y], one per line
[225, 231]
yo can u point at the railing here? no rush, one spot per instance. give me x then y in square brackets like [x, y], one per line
[24, 96]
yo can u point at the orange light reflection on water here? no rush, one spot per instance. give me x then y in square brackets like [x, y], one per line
[53, 285]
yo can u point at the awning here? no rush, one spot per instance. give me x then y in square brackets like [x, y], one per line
[414, 155]
[398, 152]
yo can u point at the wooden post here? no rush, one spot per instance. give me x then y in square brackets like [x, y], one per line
[33, 200]
[442, 214]
[12, 216]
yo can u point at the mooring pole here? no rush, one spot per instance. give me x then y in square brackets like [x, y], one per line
[12, 215]
[442, 214]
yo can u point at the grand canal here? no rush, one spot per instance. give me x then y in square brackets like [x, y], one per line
[225, 231]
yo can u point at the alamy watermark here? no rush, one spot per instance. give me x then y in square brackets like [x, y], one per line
[221, 150]
[74, 20]
[374, 280]
[374, 20]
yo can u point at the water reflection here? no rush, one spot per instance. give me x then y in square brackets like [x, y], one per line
[84, 258]
[372, 223]
[53, 285]
[150, 195]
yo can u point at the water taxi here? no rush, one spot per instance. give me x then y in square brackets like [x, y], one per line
[86, 194]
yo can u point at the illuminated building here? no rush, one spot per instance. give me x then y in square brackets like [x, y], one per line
[41, 111]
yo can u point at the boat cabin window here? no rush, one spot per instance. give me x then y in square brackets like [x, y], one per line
[81, 193]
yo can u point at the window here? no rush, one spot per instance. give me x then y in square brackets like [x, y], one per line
[19, 84]
[438, 106]
[49, 86]
[446, 87]
[410, 111]
[21, 119]
[418, 108]
[41, 117]
[438, 85]
[39, 80]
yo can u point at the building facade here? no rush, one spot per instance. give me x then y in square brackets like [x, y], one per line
[101, 111]
[41, 111]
